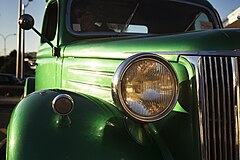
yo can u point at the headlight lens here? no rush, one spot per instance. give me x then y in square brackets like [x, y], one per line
[146, 87]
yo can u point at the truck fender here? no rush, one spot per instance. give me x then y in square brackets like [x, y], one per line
[36, 132]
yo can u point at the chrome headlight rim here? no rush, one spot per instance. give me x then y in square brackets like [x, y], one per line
[117, 83]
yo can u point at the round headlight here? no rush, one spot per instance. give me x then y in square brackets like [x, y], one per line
[145, 86]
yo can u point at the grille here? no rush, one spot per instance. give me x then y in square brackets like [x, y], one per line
[218, 111]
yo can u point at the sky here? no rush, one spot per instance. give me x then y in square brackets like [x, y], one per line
[9, 16]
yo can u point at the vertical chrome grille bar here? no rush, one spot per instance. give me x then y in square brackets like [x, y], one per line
[223, 74]
[218, 113]
[212, 110]
[236, 91]
[229, 107]
[200, 74]
[218, 88]
[206, 123]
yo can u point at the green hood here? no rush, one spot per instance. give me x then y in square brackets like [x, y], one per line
[211, 40]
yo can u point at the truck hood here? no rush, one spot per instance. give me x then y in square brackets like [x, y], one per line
[114, 47]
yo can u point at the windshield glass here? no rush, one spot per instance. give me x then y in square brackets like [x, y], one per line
[136, 16]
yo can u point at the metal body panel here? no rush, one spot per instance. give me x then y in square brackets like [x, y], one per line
[94, 77]
[97, 129]
[211, 40]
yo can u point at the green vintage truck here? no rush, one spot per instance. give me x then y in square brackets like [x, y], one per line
[130, 79]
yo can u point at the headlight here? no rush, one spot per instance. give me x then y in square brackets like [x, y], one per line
[145, 86]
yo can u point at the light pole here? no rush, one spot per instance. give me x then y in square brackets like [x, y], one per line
[23, 36]
[20, 53]
[19, 44]
[5, 41]
[23, 41]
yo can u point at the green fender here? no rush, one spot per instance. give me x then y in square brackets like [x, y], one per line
[95, 130]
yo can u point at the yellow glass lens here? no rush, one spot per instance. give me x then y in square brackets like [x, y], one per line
[148, 88]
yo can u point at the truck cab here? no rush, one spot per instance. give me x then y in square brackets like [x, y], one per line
[130, 79]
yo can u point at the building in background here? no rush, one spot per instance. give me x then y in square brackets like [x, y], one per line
[233, 19]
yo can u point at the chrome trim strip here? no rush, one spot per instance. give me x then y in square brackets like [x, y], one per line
[197, 61]
[218, 103]
[206, 108]
[123, 56]
[213, 109]
[236, 91]
[220, 53]
[224, 102]
[222, 72]
[229, 105]
[226, 53]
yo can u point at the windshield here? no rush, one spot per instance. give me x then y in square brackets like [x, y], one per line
[136, 16]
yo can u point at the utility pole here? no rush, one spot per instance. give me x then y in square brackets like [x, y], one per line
[19, 45]
[21, 42]
[5, 41]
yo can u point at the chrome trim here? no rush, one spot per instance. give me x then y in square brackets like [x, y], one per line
[233, 64]
[117, 80]
[58, 97]
[219, 53]
[224, 102]
[206, 113]
[196, 61]
[226, 53]
[218, 105]
[213, 109]
[223, 121]
[123, 56]
[236, 68]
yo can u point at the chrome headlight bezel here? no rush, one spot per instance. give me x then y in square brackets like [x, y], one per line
[117, 85]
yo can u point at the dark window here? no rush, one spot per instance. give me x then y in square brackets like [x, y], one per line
[50, 22]
[142, 16]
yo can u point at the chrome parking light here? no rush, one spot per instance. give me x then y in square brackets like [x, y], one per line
[63, 104]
